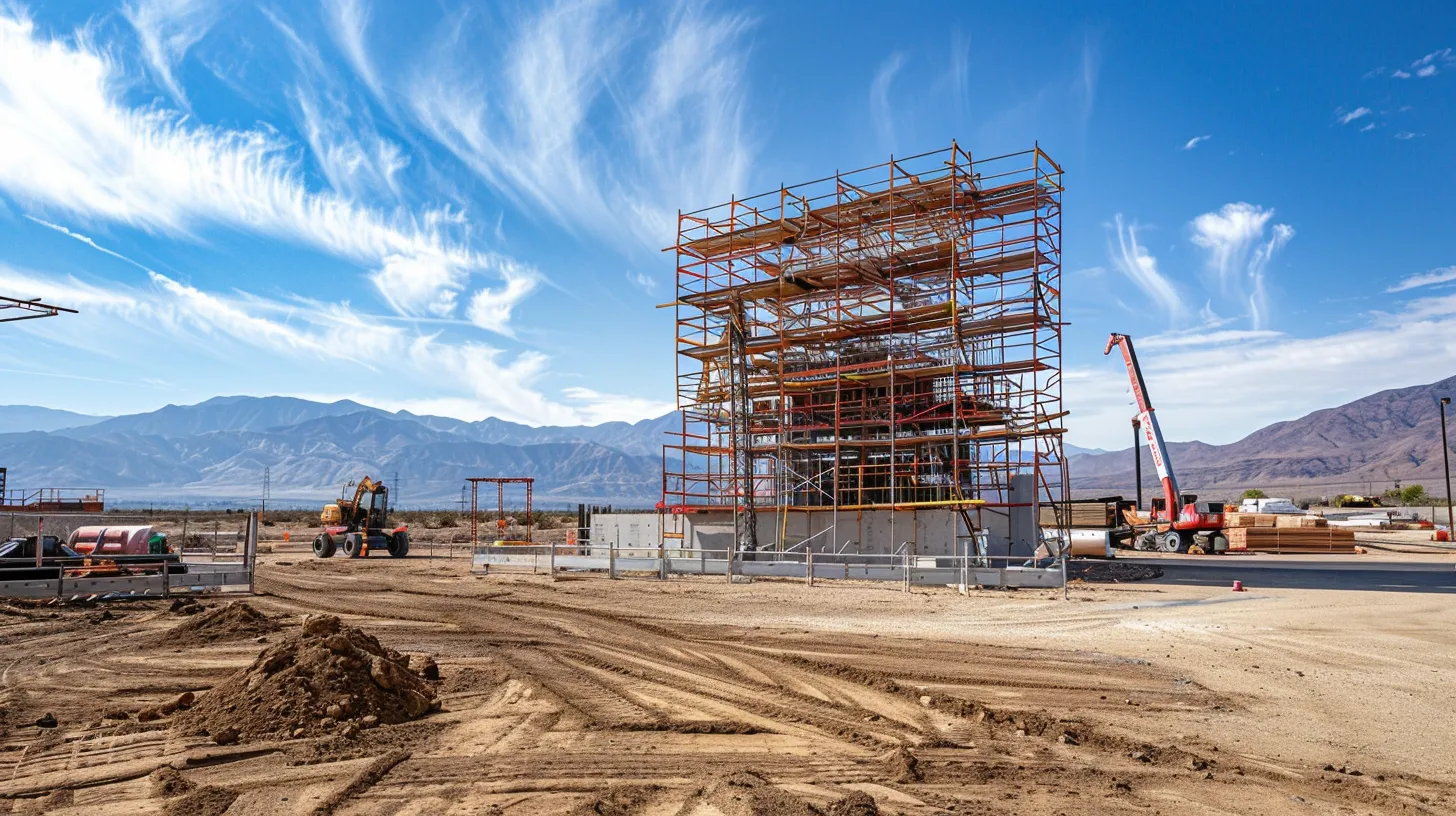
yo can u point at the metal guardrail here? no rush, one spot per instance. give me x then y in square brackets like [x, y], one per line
[903, 568]
[134, 576]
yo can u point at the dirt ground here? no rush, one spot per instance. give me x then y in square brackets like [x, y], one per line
[694, 696]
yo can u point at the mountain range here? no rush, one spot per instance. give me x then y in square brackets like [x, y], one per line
[1361, 447]
[215, 452]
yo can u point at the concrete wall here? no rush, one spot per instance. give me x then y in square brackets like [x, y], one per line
[929, 531]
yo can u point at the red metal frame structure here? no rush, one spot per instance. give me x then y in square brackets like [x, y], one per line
[500, 483]
[887, 338]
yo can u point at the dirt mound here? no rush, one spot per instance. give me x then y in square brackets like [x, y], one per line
[747, 793]
[204, 801]
[234, 621]
[903, 767]
[324, 678]
[857, 803]
[168, 783]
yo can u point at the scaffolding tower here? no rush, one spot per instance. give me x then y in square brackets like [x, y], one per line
[887, 338]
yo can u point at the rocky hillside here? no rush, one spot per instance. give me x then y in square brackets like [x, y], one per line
[1363, 445]
[219, 449]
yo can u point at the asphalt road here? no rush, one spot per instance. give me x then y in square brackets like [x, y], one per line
[1332, 574]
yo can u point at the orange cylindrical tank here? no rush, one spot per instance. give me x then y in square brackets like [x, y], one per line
[120, 540]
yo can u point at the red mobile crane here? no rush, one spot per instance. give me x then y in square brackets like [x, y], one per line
[1197, 524]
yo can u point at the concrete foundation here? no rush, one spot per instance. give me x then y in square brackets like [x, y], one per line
[926, 532]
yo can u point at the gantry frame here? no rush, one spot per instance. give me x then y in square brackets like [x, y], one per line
[500, 483]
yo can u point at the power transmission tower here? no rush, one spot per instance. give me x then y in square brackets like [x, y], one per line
[267, 486]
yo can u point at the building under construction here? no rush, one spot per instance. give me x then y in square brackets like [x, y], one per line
[876, 348]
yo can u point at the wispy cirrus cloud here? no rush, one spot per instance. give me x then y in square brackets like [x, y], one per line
[348, 22]
[1196, 141]
[1346, 117]
[1390, 351]
[1238, 252]
[167, 30]
[1444, 274]
[72, 144]
[315, 341]
[1425, 67]
[594, 117]
[1134, 261]
[1433, 63]
[882, 112]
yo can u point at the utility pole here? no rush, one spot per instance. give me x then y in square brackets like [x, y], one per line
[1137, 459]
[462, 500]
[1446, 458]
[394, 488]
[267, 485]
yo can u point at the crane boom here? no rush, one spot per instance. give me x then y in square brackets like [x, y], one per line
[1149, 422]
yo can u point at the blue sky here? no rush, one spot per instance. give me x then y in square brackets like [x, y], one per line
[458, 208]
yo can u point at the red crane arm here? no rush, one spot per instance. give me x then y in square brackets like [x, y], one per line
[1149, 421]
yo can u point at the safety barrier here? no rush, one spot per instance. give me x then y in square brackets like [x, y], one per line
[133, 576]
[903, 568]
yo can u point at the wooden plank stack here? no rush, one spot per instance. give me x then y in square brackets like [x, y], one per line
[1287, 539]
[1095, 513]
[1282, 521]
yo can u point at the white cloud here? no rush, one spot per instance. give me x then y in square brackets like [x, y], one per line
[1430, 64]
[1406, 135]
[1368, 128]
[1442, 274]
[1132, 259]
[353, 157]
[882, 113]
[1203, 337]
[71, 144]
[1194, 142]
[85, 240]
[1415, 345]
[321, 342]
[1347, 118]
[1238, 253]
[167, 30]
[643, 281]
[420, 285]
[491, 309]
[347, 22]
[593, 117]
[596, 407]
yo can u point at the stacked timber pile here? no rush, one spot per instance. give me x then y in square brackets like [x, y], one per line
[1283, 521]
[1085, 513]
[1286, 533]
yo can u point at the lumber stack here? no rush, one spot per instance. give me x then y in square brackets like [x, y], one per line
[1292, 539]
[1097, 513]
[1290, 521]
[1232, 520]
[1280, 520]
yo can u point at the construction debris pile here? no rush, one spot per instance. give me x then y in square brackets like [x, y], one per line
[1286, 533]
[325, 678]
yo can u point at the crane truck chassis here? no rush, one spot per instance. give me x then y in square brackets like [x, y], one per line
[359, 525]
